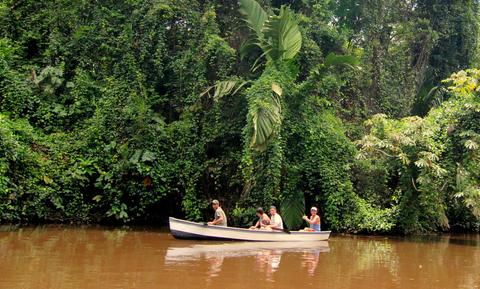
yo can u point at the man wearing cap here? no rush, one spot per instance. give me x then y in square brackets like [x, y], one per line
[276, 222]
[314, 221]
[220, 217]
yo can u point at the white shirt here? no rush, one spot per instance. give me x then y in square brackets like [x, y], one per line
[277, 220]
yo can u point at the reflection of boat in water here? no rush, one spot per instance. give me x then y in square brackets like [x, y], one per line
[241, 249]
[267, 255]
[310, 261]
[182, 229]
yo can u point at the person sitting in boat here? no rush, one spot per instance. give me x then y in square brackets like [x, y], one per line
[276, 222]
[314, 221]
[220, 217]
[263, 219]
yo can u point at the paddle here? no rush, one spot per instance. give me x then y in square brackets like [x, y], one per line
[284, 230]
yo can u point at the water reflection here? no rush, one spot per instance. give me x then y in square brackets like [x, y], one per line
[268, 256]
[195, 251]
[310, 261]
[268, 262]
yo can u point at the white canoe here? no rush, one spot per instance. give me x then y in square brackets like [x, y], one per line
[182, 229]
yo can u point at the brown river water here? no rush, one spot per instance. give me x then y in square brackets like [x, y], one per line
[72, 257]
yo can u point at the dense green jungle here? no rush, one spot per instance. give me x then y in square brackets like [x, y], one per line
[127, 112]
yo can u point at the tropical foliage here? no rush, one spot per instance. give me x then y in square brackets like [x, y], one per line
[435, 159]
[131, 111]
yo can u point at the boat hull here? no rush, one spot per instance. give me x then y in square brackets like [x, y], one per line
[182, 229]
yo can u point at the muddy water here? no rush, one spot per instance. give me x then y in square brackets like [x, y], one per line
[65, 257]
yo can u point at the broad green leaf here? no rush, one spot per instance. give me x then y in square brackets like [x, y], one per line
[266, 118]
[293, 208]
[255, 15]
[282, 36]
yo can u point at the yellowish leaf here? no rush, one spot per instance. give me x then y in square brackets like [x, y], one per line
[277, 89]
[47, 180]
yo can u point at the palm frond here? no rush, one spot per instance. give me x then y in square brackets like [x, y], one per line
[282, 35]
[223, 88]
[266, 118]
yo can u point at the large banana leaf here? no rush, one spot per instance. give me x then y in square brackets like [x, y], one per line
[282, 37]
[266, 118]
[293, 208]
[255, 16]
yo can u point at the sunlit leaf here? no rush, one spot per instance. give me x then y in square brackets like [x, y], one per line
[422, 163]
[255, 15]
[223, 88]
[283, 39]
[47, 180]
[277, 89]
[471, 145]
[266, 118]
